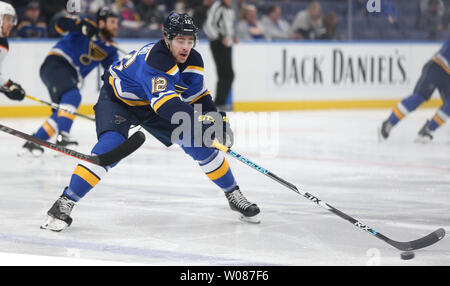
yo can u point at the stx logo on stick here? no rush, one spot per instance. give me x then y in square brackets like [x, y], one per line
[312, 198]
[365, 227]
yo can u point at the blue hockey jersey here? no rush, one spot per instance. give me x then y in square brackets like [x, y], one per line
[442, 57]
[81, 52]
[150, 76]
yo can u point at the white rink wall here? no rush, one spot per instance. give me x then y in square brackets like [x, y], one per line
[268, 72]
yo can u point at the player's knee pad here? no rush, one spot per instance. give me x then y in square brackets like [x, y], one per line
[198, 153]
[71, 98]
[413, 101]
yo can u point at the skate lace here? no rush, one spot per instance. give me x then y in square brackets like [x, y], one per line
[66, 205]
[238, 199]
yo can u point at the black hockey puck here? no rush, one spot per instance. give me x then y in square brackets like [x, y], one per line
[406, 255]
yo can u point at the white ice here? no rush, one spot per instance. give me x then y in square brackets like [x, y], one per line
[158, 208]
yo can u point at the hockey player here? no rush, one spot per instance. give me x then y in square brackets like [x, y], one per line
[435, 74]
[7, 21]
[86, 44]
[148, 87]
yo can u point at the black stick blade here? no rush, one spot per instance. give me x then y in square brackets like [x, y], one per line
[123, 150]
[425, 241]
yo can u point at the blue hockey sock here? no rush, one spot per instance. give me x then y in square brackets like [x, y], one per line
[440, 117]
[218, 171]
[70, 101]
[86, 175]
[404, 107]
[49, 128]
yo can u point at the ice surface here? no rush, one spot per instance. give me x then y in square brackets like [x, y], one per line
[158, 208]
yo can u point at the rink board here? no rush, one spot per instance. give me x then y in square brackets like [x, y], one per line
[268, 76]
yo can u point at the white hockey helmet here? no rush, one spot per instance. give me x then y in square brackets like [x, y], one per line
[6, 9]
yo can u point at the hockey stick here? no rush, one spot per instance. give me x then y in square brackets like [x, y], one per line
[123, 150]
[425, 241]
[57, 106]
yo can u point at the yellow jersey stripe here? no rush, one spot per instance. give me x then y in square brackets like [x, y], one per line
[163, 100]
[173, 70]
[195, 68]
[220, 172]
[59, 30]
[86, 175]
[441, 64]
[129, 102]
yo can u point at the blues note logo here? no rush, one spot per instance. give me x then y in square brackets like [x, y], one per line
[94, 53]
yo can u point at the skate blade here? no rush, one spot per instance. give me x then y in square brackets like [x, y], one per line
[30, 154]
[253, 219]
[380, 137]
[422, 140]
[54, 224]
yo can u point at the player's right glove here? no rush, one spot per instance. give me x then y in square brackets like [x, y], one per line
[215, 126]
[13, 90]
[87, 28]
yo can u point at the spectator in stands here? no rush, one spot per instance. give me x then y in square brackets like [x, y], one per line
[274, 26]
[150, 15]
[360, 7]
[249, 28]
[200, 13]
[180, 7]
[331, 22]
[431, 19]
[308, 23]
[92, 6]
[389, 10]
[128, 16]
[446, 18]
[32, 25]
[51, 7]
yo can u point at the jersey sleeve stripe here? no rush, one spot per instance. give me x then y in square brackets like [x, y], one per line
[202, 95]
[127, 101]
[173, 70]
[442, 63]
[163, 100]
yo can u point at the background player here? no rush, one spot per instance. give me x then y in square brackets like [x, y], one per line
[85, 45]
[435, 74]
[7, 21]
[149, 87]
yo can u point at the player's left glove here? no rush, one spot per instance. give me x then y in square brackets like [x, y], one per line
[216, 126]
[13, 90]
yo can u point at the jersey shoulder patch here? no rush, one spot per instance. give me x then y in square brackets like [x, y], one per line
[161, 59]
[4, 43]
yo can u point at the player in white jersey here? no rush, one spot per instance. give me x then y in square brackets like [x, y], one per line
[7, 21]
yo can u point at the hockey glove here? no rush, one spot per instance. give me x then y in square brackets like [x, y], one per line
[13, 90]
[215, 126]
[87, 28]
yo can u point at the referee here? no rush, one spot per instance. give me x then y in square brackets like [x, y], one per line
[219, 27]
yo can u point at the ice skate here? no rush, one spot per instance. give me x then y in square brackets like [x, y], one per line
[59, 214]
[424, 136]
[63, 139]
[247, 210]
[384, 130]
[33, 149]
